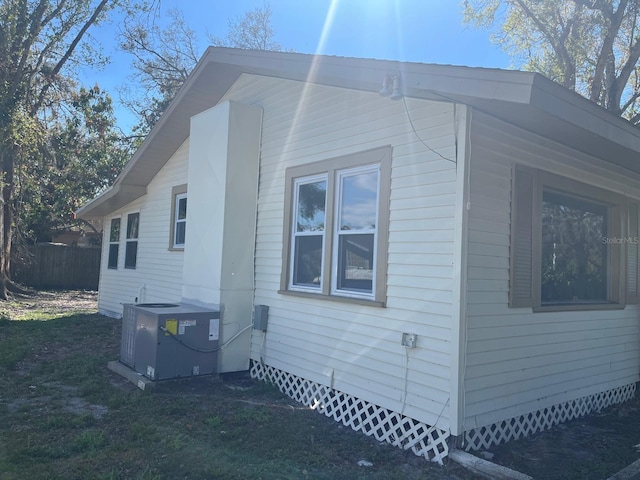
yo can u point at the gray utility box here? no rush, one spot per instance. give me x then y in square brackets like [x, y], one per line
[163, 341]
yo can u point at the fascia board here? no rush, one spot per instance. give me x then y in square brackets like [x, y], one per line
[572, 108]
[110, 200]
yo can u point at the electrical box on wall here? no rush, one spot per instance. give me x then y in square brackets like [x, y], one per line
[409, 340]
[260, 317]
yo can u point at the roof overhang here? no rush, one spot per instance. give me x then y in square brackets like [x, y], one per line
[524, 99]
[111, 200]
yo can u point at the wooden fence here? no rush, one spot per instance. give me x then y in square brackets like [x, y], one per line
[59, 266]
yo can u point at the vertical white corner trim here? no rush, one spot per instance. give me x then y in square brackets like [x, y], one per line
[462, 122]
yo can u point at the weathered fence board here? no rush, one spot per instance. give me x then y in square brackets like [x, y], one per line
[60, 266]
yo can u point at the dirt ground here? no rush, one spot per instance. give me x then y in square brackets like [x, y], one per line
[57, 302]
[592, 447]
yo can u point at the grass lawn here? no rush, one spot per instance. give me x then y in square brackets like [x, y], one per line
[64, 415]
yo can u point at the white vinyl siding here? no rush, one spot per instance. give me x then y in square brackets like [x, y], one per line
[158, 273]
[356, 348]
[519, 361]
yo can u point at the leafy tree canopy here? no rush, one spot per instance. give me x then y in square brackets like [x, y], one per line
[81, 154]
[41, 41]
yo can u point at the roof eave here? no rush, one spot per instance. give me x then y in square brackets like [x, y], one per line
[110, 200]
[524, 99]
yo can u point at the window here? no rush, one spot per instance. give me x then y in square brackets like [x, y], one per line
[308, 233]
[574, 260]
[181, 221]
[114, 243]
[178, 218]
[357, 205]
[336, 227]
[131, 249]
[570, 248]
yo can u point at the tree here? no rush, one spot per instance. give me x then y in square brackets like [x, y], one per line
[81, 153]
[253, 31]
[164, 57]
[590, 46]
[39, 39]
[162, 61]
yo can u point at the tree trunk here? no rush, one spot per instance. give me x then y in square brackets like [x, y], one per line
[7, 197]
[3, 263]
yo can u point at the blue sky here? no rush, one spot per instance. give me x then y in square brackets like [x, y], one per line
[429, 31]
[413, 30]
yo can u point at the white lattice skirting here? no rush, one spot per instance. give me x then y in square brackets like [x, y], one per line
[384, 425]
[524, 425]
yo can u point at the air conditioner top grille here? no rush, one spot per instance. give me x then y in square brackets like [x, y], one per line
[157, 305]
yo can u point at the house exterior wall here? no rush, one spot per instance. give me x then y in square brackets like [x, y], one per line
[518, 361]
[158, 273]
[353, 348]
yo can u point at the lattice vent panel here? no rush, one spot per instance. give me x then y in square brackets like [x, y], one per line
[524, 425]
[384, 425]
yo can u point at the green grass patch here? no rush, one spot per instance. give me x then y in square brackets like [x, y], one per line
[66, 416]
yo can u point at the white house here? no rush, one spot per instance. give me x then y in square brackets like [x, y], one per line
[453, 258]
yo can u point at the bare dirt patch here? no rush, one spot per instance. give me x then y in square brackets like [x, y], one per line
[593, 447]
[56, 302]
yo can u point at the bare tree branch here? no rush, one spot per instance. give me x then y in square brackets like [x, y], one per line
[65, 57]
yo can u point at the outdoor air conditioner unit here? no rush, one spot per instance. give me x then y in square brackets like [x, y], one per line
[164, 340]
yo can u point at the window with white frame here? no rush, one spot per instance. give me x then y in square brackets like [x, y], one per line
[356, 229]
[337, 222]
[308, 233]
[180, 220]
[114, 243]
[131, 247]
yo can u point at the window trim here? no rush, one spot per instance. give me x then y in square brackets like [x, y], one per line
[633, 253]
[114, 243]
[380, 156]
[538, 180]
[179, 191]
[131, 240]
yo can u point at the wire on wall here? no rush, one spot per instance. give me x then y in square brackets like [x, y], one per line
[204, 350]
[415, 132]
[405, 379]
